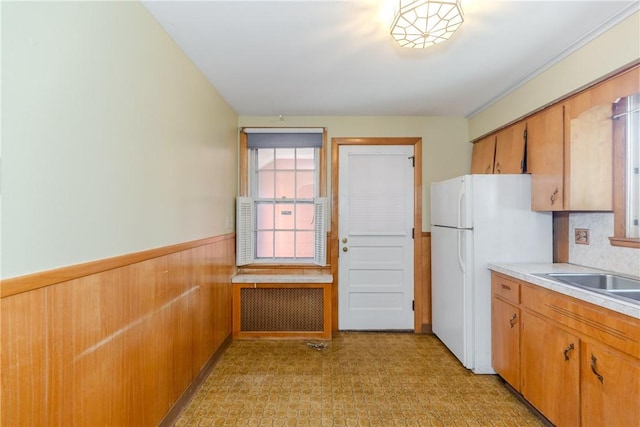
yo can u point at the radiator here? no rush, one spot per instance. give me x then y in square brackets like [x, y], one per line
[281, 310]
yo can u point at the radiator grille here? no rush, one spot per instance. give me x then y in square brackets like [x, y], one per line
[281, 309]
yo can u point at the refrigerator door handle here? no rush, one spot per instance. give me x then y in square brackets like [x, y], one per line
[460, 197]
[460, 260]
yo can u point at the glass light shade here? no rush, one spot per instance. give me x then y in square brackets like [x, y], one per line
[423, 23]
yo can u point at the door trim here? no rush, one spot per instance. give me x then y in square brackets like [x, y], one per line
[417, 220]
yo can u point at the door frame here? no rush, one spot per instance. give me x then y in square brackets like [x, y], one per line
[417, 220]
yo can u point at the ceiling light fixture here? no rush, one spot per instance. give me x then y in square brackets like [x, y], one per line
[423, 23]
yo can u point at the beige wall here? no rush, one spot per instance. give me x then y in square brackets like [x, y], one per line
[608, 52]
[112, 141]
[446, 152]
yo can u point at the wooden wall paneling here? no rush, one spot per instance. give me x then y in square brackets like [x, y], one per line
[117, 347]
[23, 363]
[203, 321]
[148, 397]
[180, 313]
[16, 285]
[426, 282]
[88, 324]
[561, 237]
[226, 269]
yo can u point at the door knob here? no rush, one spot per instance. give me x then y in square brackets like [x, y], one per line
[344, 240]
[345, 249]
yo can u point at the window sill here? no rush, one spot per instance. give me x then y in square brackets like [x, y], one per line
[624, 242]
[283, 265]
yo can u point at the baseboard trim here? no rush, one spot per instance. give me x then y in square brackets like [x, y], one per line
[181, 404]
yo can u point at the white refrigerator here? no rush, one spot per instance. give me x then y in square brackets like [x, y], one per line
[478, 219]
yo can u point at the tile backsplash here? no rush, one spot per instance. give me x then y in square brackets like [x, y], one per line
[599, 253]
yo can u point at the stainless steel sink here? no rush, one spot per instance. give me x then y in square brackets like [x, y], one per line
[608, 284]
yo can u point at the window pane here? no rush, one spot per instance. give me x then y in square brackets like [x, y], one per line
[265, 158]
[264, 216]
[284, 216]
[304, 216]
[306, 158]
[265, 185]
[264, 244]
[304, 244]
[305, 184]
[284, 244]
[285, 185]
[285, 158]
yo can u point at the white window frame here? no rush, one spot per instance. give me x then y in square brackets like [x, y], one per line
[246, 229]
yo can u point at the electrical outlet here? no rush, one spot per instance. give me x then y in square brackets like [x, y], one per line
[582, 236]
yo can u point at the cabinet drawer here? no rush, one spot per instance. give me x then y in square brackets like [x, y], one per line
[614, 329]
[505, 288]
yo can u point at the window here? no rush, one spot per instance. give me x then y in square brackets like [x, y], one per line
[626, 136]
[282, 218]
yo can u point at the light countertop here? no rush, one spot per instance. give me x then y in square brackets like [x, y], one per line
[526, 273]
[282, 278]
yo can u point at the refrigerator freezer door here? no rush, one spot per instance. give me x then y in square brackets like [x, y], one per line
[452, 271]
[451, 202]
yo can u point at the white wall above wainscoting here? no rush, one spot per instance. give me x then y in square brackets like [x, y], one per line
[599, 253]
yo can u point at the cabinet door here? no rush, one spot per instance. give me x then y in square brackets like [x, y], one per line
[545, 158]
[483, 155]
[610, 388]
[550, 370]
[510, 144]
[589, 143]
[505, 341]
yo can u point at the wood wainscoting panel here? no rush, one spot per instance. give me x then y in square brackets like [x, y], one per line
[117, 347]
[426, 283]
[23, 364]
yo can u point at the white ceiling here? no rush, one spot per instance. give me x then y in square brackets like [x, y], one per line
[319, 57]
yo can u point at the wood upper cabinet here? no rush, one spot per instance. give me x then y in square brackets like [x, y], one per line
[545, 158]
[510, 146]
[483, 155]
[551, 370]
[610, 388]
[501, 152]
[588, 143]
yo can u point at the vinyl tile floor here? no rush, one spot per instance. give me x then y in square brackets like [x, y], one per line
[358, 379]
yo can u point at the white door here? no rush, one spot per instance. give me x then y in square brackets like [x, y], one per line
[375, 226]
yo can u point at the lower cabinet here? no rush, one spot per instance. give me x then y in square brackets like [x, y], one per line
[551, 370]
[505, 341]
[577, 363]
[610, 388]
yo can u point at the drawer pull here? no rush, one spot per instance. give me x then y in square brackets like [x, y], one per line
[507, 287]
[513, 320]
[567, 350]
[593, 369]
